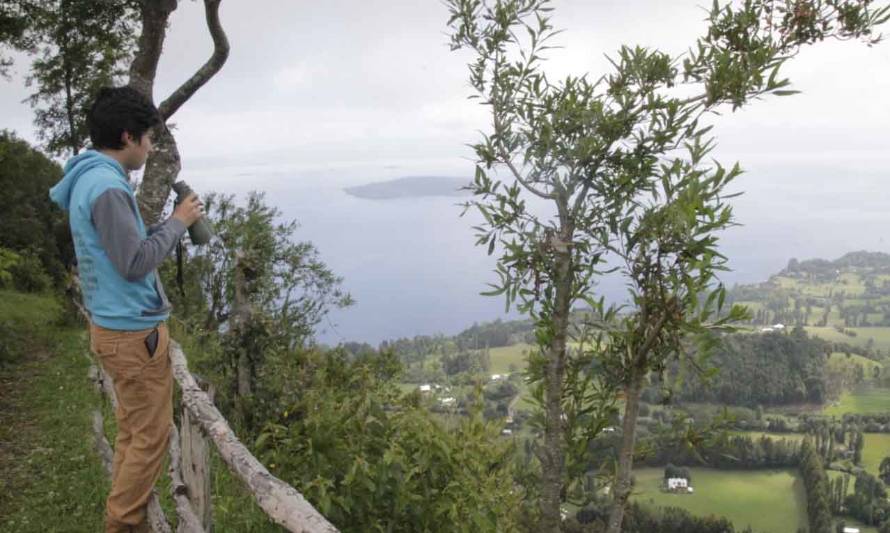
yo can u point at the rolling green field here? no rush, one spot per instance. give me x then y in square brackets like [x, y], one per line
[770, 501]
[504, 356]
[868, 365]
[877, 446]
[881, 336]
[864, 400]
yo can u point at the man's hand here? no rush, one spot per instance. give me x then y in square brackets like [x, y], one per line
[189, 210]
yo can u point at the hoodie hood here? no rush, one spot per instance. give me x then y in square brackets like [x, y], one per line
[76, 167]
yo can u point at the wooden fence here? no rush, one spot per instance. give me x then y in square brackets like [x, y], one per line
[189, 467]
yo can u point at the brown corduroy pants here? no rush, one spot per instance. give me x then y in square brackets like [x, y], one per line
[144, 387]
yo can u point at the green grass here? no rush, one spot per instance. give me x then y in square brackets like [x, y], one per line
[770, 501]
[51, 479]
[24, 318]
[877, 447]
[50, 476]
[838, 359]
[864, 400]
[504, 356]
[880, 335]
[408, 387]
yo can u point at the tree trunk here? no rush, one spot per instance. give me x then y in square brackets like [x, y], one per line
[155, 14]
[161, 171]
[622, 486]
[69, 97]
[163, 164]
[195, 467]
[553, 456]
[241, 318]
[244, 388]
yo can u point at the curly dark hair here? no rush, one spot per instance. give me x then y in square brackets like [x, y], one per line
[120, 109]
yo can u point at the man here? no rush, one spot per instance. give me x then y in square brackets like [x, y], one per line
[117, 260]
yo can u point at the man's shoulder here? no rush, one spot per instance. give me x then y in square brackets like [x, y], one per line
[98, 181]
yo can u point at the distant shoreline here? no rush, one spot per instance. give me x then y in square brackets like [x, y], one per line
[410, 187]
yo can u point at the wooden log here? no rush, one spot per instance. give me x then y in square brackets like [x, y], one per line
[188, 518]
[106, 454]
[157, 520]
[196, 463]
[281, 502]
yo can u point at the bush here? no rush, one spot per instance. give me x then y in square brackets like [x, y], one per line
[26, 323]
[8, 260]
[28, 274]
[340, 434]
[28, 219]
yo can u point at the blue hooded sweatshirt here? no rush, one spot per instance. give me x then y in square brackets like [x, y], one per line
[116, 256]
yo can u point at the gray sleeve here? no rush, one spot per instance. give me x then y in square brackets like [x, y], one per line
[133, 257]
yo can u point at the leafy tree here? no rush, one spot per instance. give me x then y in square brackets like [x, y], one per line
[78, 47]
[765, 369]
[868, 502]
[621, 164]
[857, 443]
[370, 461]
[30, 224]
[464, 361]
[256, 284]
[8, 261]
[13, 24]
[817, 488]
[673, 519]
[163, 164]
[884, 470]
[671, 471]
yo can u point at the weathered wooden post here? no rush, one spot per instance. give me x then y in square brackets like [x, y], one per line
[196, 462]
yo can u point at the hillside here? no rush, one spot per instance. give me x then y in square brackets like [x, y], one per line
[849, 292]
[409, 187]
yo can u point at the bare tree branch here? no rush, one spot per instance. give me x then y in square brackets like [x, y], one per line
[525, 183]
[151, 42]
[220, 53]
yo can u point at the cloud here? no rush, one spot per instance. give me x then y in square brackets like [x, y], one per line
[375, 79]
[298, 76]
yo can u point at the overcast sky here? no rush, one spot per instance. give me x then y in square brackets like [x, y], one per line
[340, 82]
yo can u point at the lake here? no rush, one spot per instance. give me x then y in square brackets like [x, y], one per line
[412, 266]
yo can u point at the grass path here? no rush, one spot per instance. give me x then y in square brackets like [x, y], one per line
[50, 476]
[51, 479]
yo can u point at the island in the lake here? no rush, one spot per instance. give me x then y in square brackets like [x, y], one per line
[410, 187]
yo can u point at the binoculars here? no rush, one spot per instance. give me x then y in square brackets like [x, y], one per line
[200, 232]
